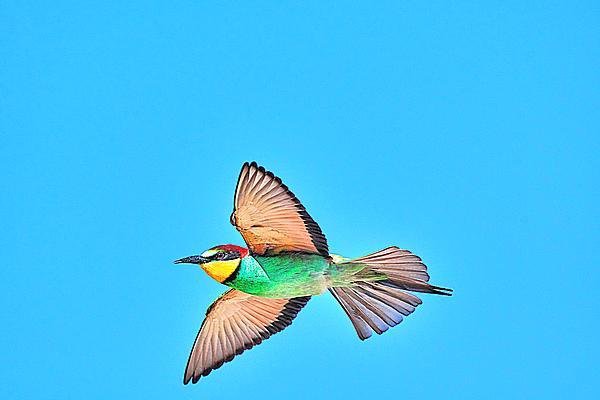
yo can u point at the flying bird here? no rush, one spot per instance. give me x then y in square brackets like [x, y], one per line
[286, 262]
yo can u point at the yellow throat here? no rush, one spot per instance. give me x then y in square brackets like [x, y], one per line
[220, 270]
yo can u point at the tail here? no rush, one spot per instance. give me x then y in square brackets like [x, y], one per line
[376, 305]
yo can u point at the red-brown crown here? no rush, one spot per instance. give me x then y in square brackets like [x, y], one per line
[232, 247]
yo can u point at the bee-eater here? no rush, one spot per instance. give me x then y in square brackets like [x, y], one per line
[288, 261]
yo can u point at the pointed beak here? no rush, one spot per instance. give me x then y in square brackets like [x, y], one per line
[191, 260]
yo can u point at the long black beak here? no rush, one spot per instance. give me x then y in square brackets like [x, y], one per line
[191, 260]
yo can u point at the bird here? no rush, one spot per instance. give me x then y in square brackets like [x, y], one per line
[285, 263]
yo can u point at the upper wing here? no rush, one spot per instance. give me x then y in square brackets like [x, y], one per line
[270, 218]
[235, 322]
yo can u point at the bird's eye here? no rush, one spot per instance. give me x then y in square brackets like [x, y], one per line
[220, 256]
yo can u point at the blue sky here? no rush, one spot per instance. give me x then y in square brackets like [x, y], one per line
[468, 133]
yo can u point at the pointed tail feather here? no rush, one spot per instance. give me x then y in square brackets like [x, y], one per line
[404, 269]
[380, 304]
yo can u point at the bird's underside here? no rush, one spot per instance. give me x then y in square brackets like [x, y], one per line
[288, 261]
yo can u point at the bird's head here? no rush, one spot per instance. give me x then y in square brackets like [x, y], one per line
[219, 262]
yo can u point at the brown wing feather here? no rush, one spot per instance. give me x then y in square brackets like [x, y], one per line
[270, 217]
[235, 322]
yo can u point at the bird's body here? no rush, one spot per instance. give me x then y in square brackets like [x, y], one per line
[283, 276]
[288, 261]
[293, 275]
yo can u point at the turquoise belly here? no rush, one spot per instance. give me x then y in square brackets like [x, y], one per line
[283, 276]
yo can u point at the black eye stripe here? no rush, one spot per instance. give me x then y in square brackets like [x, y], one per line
[224, 256]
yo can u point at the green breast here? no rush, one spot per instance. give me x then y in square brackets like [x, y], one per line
[283, 276]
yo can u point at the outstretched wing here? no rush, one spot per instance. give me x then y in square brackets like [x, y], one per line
[235, 322]
[270, 218]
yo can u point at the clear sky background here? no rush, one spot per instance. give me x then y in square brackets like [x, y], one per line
[467, 132]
